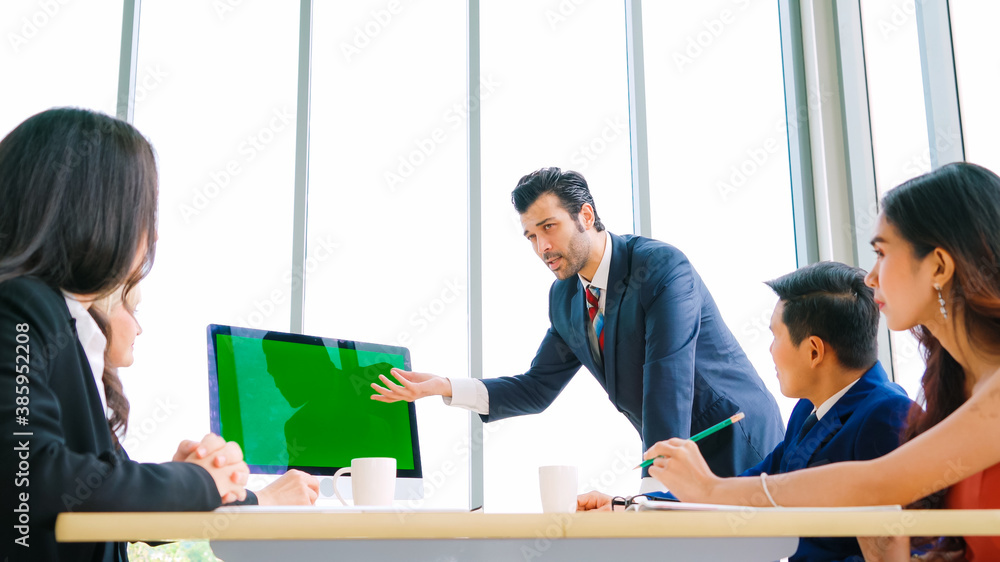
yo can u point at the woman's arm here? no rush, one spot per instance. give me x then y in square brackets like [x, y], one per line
[944, 455]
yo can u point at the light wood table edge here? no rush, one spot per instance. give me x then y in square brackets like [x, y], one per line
[100, 527]
[90, 527]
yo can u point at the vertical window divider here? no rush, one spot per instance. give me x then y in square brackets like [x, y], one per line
[639, 145]
[127, 62]
[475, 245]
[937, 65]
[858, 150]
[797, 125]
[300, 220]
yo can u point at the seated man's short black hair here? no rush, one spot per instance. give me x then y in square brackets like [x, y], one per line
[830, 300]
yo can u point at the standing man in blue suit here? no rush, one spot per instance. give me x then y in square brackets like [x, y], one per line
[637, 315]
[825, 328]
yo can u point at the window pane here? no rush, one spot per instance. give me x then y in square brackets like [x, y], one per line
[218, 104]
[977, 63]
[59, 54]
[557, 96]
[899, 132]
[388, 199]
[718, 145]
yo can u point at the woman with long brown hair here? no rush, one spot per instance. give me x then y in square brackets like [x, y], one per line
[78, 194]
[937, 273]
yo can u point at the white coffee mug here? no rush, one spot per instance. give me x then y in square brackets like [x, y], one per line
[558, 485]
[373, 481]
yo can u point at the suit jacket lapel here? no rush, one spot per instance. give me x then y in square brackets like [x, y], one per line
[612, 305]
[102, 436]
[833, 420]
[804, 450]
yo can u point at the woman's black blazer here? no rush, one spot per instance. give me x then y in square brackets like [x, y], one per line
[57, 452]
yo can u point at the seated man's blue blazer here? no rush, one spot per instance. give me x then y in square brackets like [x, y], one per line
[864, 424]
[671, 365]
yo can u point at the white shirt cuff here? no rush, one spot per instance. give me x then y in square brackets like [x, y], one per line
[470, 394]
[650, 484]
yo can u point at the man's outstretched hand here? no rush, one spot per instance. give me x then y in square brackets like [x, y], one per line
[410, 386]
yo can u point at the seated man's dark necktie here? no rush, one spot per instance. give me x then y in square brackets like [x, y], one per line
[809, 423]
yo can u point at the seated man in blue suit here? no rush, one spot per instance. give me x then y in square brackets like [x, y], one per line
[825, 328]
[635, 313]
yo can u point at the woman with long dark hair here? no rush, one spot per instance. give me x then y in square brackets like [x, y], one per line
[937, 273]
[78, 196]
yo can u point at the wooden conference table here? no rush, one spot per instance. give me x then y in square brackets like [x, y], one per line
[745, 534]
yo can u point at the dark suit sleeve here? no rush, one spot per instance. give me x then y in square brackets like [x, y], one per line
[60, 478]
[770, 464]
[880, 431]
[673, 305]
[551, 369]
[251, 500]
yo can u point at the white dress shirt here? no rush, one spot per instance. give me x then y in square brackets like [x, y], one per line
[93, 341]
[826, 406]
[472, 394]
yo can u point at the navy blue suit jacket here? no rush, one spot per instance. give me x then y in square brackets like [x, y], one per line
[864, 424]
[671, 365]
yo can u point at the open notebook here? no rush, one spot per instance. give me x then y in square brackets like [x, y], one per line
[662, 505]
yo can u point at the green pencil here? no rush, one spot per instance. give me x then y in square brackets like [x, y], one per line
[724, 423]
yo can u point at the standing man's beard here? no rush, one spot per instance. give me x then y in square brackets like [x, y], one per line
[575, 257]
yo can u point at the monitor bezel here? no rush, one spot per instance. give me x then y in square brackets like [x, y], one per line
[213, 391]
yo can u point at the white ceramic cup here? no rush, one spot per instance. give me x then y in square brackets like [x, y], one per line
[373, 481]
[558, 485]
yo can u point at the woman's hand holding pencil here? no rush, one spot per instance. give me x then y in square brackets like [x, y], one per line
[701, 435]
[679, 465]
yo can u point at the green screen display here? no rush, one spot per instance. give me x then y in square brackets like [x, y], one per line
[305, 405]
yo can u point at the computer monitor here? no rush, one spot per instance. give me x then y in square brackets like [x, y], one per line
[297, 401]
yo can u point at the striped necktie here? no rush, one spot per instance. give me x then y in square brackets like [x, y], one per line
[596, 316]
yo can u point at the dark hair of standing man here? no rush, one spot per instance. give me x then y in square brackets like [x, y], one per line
[830, 300]
[569, 187]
